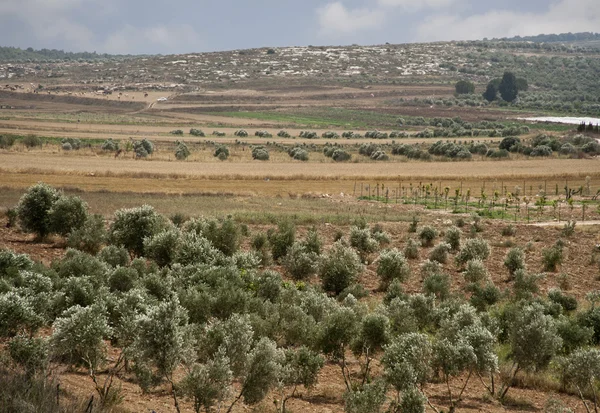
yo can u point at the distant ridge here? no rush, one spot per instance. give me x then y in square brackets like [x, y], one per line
[29, 54]
[16, 54]
[554, 38]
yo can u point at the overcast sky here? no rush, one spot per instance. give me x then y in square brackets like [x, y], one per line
[180, 26]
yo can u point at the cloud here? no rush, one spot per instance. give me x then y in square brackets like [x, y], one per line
[336, 19]
[561, 17]
[414, 6]
[157, 39]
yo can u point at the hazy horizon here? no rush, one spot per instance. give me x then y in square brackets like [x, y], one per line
[187, 26]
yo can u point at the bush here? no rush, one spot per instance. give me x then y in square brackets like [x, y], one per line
[282, 239]
[163, 247]
[110, 145]
[31, 141]
[552, 257]
[197, 132]
[515, 260]
[34, 209]
[299, 262]
[541, 150]
[30, 353]
[475, 271]
[79, 335]
[91, 236]
[508, 231]
[474, 248]
[221, 152]
[181, 150]
[340, 155]
[260, 153]
[438, 285]
[427, 234]
[392, 266]
[114, 256]
[440, 252]
[567, 303]
[411, 250]
[68, 213]
[362, 241]
[6, 141]
[132, 225]
[143, 148]
[340, 268]
[464, 87]
[453, 235]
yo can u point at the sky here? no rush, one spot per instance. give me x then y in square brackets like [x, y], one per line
[184, 26]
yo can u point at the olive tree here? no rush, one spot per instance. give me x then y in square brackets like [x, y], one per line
[582, 371]
[392, 265]
[407, 366]
[67, 214]
[533, 339]
[340, 268]
[162, 344]
[34, 209]
[131, 226]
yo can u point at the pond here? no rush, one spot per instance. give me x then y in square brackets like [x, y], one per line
[563, 119]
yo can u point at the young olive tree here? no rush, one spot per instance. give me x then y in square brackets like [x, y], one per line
[582, 371]
[162, 344]
[534, 340]
[340, 268]
[392, 265]
[407, 366]
[300, 368]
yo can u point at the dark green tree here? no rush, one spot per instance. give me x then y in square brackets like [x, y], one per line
[492, 90]
[508, 87]
[464, 87]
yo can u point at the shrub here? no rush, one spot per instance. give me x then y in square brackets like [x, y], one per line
[208, 384]
[181, 150]
[143, 148]
[569, 228]
[67, 214]
[568, 303]
[412, 227]
[260, 153]
[17, 315]
[282, 239]
[368, 398]
[31, 141]
[339, 155]
[452, 237]
[6, 141]
[34, 209]
[475, 271]
[411, 250]
[362, 241]
[552, 257]
[508, 231]
[392, 266]
[541, 150]
[197, 132]
[484, 297]
[429, 267]
[340, 268]
[515, 260]
[221, 152]
[312, 242]
[114, 256]
[298, 153]
[30, 353]
[427, 234]
[224, 235]
[163, 247]
[132, 225]
[260, 243]
[464, 87]
[440, 252]
[299, 262]
[474, 248]
[90, 236]
[79, 335]
[438, 285]
[110, 145]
